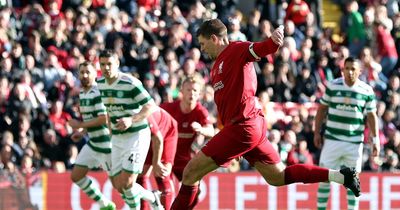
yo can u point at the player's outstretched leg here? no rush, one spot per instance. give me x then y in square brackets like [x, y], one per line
[278, 175]
[198, 166]
[78, 176]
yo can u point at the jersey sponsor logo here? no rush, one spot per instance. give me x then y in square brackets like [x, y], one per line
[113, 108]
[346, 108]
[185, 124]
[218, 86]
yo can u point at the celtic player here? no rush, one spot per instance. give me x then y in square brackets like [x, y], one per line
[97, 152]
[344, 105]
[128, 106]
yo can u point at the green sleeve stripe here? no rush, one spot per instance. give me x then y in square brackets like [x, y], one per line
[138, 90]
[144, 101]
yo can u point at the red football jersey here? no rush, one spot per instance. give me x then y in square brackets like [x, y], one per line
[235, 83]
[186, 134]
[162, 121]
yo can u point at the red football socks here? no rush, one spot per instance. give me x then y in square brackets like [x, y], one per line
[305, 173]
[185, 198]
[165, 185]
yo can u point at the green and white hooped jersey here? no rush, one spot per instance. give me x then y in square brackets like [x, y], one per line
[91, 107]
[348, 107]
[124, 98]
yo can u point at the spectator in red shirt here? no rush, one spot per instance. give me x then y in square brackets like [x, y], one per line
[297, 12]
[387, 53]
[60, 118]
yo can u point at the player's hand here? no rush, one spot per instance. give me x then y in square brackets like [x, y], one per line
[75, 124]
[76, 136]
[161, 170]
[318, 140]
[376, 149]
[277, 35]
[123, 123]
[196, 127]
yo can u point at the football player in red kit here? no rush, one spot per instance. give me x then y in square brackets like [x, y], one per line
[160, 158]
[192, 120]
[244, 134]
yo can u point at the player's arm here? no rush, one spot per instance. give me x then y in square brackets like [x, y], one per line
[157, 141]
[145, 112]
[372, 121]
[319, 120]
[78, 134]
[259, 50]
[98, 121]
[205, 130]
[160, 170]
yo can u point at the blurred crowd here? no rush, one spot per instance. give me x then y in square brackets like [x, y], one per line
[43, 42]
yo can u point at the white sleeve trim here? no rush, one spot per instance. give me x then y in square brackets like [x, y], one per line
[251, 50]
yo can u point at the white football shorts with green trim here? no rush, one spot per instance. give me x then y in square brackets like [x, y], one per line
[129, 151]
[89, 158]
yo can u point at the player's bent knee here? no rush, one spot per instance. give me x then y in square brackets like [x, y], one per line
[274, 174]
[275, 182]
[189, 174]
[114, 182]
[77, 175]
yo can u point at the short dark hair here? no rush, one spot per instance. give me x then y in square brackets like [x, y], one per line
[85, 63]
[107, 53]
[212, 27]
[351, 60]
